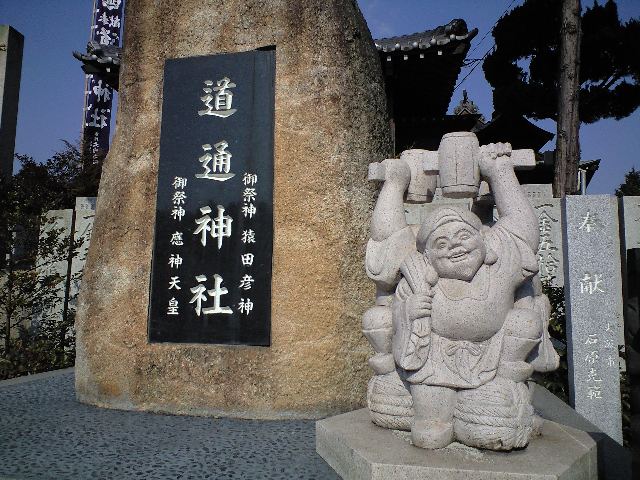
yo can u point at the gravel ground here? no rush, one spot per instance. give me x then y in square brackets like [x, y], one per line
[46, 434]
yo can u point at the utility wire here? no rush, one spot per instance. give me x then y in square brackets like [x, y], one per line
[478, 61]
[496, 22]
[474, 67]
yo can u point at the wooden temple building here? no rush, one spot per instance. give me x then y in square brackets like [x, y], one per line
[420, 72]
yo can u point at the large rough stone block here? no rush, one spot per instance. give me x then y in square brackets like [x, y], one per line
[330, 122]
[359, 450]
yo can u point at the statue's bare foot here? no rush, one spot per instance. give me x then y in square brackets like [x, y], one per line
[431, 435]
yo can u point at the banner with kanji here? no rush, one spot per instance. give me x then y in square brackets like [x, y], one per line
[105, 30]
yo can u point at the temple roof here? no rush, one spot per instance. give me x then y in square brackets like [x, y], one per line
[420, 72]
[515, 129]
[455, 31]
[544, 169]
[467, 107]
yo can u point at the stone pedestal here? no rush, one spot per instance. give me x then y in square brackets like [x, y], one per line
[330, 122]
[359, 450]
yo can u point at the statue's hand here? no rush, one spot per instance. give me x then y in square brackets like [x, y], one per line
[418, 305]
[493, 158]
[397, 172]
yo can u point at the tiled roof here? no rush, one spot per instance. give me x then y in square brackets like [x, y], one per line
[102, 59]
[454, 31]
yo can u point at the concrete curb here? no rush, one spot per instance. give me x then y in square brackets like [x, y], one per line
[35, 377]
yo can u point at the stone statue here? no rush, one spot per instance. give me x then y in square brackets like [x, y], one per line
[460, 321]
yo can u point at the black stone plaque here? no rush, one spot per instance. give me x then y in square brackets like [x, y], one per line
[213, 245]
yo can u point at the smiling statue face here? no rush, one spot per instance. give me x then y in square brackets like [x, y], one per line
[456, 250]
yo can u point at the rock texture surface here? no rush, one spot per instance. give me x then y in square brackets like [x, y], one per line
[330, 123]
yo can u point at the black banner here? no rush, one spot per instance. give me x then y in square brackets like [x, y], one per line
[213, 246]
[106, 30]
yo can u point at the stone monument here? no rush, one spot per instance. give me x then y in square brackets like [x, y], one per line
[325, 120]
[59, 225]
[84, 212]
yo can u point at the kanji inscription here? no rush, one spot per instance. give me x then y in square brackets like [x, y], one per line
[593, 296]
[211, 271]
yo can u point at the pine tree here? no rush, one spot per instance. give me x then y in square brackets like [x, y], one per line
[631, 184]
[523, 68]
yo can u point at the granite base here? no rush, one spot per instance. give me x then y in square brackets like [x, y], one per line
[359, 450]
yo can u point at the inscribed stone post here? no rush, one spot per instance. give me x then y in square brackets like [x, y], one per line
[538, 191]
[593, 296]
[630, 215]
[550, 255]
[327, 73]
[85, 212]
[59, 224]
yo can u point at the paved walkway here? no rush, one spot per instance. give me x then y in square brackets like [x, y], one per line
[46, 434]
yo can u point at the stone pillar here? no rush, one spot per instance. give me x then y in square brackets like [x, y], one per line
[84, 212]
[60, 222]
[593, 298]
[550, 255]
[11, 43]
[630, 222]
[630, 217]
[632, 348]
[330, 122]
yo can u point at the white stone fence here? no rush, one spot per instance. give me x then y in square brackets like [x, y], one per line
[76, 222]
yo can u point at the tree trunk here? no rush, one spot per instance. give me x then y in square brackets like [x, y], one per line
[565, 180]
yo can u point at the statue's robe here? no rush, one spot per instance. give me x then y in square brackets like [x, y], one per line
[459, 345]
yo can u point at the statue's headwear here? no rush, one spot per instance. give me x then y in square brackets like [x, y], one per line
[443, 216]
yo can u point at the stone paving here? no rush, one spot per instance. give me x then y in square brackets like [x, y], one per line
[46, 434]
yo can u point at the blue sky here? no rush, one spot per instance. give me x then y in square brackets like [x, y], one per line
[51, 95]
